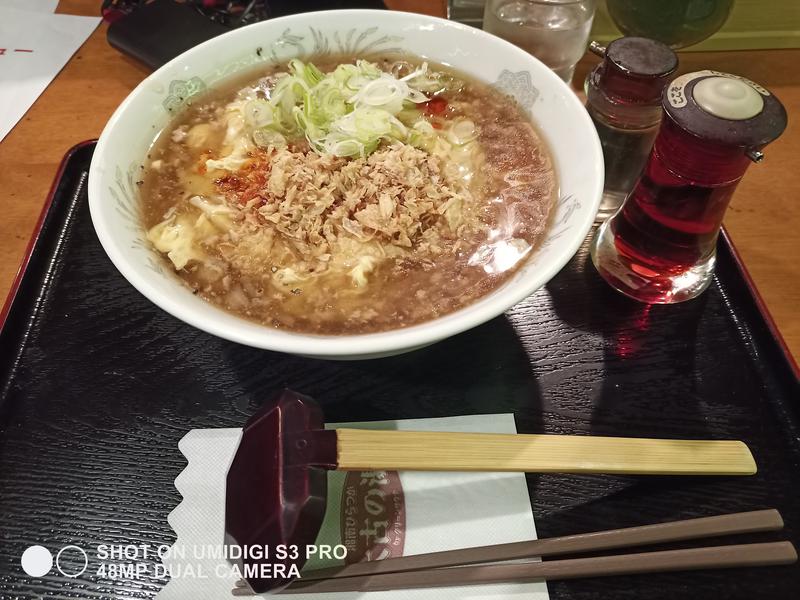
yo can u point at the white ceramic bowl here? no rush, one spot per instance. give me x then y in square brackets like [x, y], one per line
[123, 145]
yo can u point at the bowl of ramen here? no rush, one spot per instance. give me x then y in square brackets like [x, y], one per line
[346, 184]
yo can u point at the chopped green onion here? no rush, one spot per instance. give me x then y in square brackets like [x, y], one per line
[347, 112]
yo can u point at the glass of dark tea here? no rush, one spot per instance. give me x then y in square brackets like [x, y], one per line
[660, 246]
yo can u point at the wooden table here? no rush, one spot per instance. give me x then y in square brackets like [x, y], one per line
[764, 217]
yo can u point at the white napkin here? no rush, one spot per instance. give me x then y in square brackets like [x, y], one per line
[34, 47]
[442, 511]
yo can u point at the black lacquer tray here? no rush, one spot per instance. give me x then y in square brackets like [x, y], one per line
[98, 387]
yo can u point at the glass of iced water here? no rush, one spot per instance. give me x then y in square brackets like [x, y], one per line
[554, 31]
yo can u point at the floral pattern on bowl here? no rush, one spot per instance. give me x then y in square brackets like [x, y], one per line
[182, 91]
[519, 86]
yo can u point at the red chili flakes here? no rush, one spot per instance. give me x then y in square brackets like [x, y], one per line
[250, 181]
[435, 106]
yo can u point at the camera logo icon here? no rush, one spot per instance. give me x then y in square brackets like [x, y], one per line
[37, 561]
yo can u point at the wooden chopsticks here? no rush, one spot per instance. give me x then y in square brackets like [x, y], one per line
[463, 567]
[714, 557]
[660, 533]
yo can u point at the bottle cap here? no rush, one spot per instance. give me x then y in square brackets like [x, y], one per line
[636, 69]
[724, 109]
[728, 98]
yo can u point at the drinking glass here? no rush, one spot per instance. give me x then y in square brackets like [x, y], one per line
[554, 31]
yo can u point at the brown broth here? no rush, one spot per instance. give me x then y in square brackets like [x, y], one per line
[515, 190]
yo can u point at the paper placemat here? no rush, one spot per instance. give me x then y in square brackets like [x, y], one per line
[34, 46]
[375, 514]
